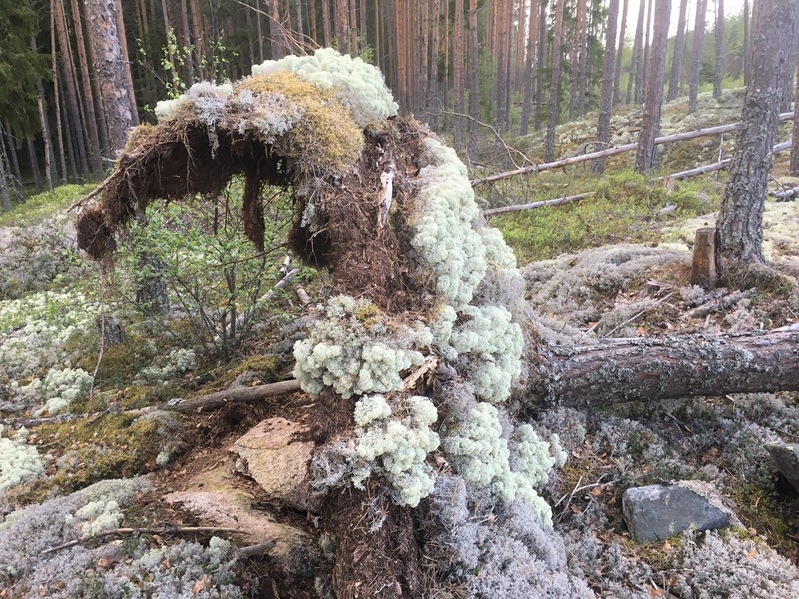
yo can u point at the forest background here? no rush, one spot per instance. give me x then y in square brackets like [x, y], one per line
[463, 66]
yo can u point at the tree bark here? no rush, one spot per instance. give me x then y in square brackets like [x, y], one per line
[529, 78]
[740, 221]
[12, 151]
[645, 159]
[326, 22]
[433, 102]
[458, 78]
[277, 35]
[554, 90]
[746, 48]
[719, 33]
[651, 369]
[4, 195]
[34, 164]
[94, 150]
[676, 57]
[57, 101]
[474, 83]
[542, 54]
[342, 36]
[199, 35]
[793, 168]
[620, 55]
[640, 92]
[636, 74]
[49, 156]
[354, 44]
[501, 56]
[580, 71]
[699, 39]
[603, 128]
[111, 70]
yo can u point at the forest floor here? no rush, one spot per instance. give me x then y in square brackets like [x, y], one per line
[615, 265]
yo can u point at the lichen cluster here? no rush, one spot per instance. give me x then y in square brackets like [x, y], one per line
[357, 350]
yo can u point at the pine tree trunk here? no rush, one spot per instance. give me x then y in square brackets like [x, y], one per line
[474, 84]
[111, 70]
[501, 60]
[529, 78]
[620, 55]
[518, 69]
[640, 92]
[433, 102]
[314, 25]
[277, 35]
[259, 30]
[793, 169]
[93, 96]
[342, 35]
[636, 63]
[458, 78]
[446, 88]
[6, 197]
[542, 54]
[424, 67]
[34, 165]
[299, 27]
[61, 109]
[580, 72]
[12, 151]
[49, 156]
[57, 100]
[69, 79]
[746, 42]
[199, 35]
[699, 39]
[354, 43]
[650, 126]
[719, 49]
[787, 89]
[554, 91]
[185, 39]
[676, 57]
[740, 221]
[326, 22]
[603, 128]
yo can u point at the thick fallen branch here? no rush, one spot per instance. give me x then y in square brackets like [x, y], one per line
[666, 139]
[786, 194]
[722, 164]
[553, 202]
[132, 531]
[652, 369]
[220, 398]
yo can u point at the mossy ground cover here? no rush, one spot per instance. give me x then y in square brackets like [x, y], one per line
[38, 207]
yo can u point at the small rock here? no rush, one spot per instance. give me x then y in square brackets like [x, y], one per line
[659, 511]
[786, 458]
[272, 456]
[213, 498]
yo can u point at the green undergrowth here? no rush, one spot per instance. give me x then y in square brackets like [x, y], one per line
[43, 205]
[624, 208]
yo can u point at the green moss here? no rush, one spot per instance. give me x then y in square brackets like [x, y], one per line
[625, 208]
[766, 513]
[39, 207]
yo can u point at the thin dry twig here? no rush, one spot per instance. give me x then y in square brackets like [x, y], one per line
[131, 531]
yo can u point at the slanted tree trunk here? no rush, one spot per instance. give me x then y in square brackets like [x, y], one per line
[719, 49]
[650, 126]
[699, 40]
[111, 70]
[554, 90]
[740, 221]
[603, 128]
[676, 57]
[619, 55]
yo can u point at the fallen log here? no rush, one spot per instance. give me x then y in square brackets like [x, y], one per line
[220, 398]
[652, 369]
[532, 205]
[717, 166]
[786, 194]
[666, 139]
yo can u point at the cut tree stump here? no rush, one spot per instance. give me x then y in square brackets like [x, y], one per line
[703, 266]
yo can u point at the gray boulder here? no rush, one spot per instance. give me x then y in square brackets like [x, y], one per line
[786, 458]
[655, 512]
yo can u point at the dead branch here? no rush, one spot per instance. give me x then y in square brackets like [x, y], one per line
[613, 151]
[722, 164]
[786, 194]
[531, 206]
[220, 398]
[133, 531]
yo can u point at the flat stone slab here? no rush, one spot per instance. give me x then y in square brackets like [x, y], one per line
[212, 497]
[786, 458]
[655, 512]
[274, 457]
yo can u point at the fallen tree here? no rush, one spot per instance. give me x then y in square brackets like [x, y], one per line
[666, 139]
[652, 369]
